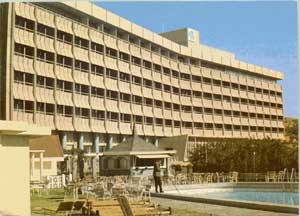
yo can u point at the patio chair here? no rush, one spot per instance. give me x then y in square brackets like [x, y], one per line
[233, 177]
[141, 211]
[271, 176]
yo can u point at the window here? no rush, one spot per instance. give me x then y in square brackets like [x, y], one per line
[185, 92]
[227, 112]
[219, 126]
[168, 123]
[125, 97]
[207, 95]
[124, 56]
[168, 106]
[98, 48]
[82, 43]
[158, 103]
[65, 110]
[177, 124]
[159, 121]
[23, 106]
[228, 127]
[186, 109]
[97, 92]
[225, 84]
[243, 87]
[82, 112]
[185, 77]
[167, 71]
[64, 37]
[208, 126]
[125, 118]
[147, 83]
[45, 30]
[176, 107]
[138, 119]
[175, 74]
[82, 89]
[196, 79]
[234, 86]
[113, 74]
[45, 108]
[98, 114]
[24, 51]
[113, 95]
[216, 82]
[218, 112]
[208, 111]
[136, 60]
[64, 61]
[198, 110]
[198, 125]
[187, 124]
[64, 85]
[24, 23]
[157, 68]
[45, 82]
[148, 101]
[157, 86]
[217, 97]
[197, 94]
[82, 66]
[111, 52]
[45, 56]
[147, 64]
[206, 80]
[136, 80]
[137, 99]
[97, 70]
[23, 78]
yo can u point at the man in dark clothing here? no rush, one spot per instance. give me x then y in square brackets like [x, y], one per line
[157, 177]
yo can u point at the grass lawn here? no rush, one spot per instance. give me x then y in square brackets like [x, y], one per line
[51, 201]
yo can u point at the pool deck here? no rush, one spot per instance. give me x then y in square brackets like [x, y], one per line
[227, 206]
[215, 210]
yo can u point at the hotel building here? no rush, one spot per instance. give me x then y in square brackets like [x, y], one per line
[91, 75]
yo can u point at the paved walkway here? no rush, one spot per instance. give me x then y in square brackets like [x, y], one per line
[215, 210]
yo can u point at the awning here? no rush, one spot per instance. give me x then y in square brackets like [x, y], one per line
[153, 156]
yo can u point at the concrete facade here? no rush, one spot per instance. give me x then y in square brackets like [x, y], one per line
[91, 75]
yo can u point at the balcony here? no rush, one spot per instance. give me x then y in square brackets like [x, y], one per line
[98, 126]
[245, 134]
[64, 123]
[156, 58]
[167, 114]
[217, 104]
[168, 131]
[135, 70]
[208, 133]
[125, 128]
[110, 41]
[64, 98]
[158, 130]
[186, 117]
[206, 87]
[81, 54]
[165, 61]
[147, 73]
[123, 46]
[206, 72]
[229, 133]
[185, 84]
[45, 43]
[198, 132]
[218, 119]
[244, 121]
[81, 77]
[137, 109]
[188, 131]
[64, 73]
[216, 89]
[45, 120]
[148, 111]
[111, 63]
[226, 91]
[227, 119]
[124, 67]
[218, 133]
[44, 95]
[167, 96]
[112, 127]
[124, 87]
[186, 100]
[157, 94]
[235, 93]
[136, 90]
[82, 124]
[22, 116]
[244, 107]
[23, 92]
[81, 101]
[23, 64]
[177, 131]
[45, 69]
[174, 65]
[146, 54]
[235, 133]
[158, 113]
[125, 107]
[148, 129]
[207, 118]
[207, 103]
[97, 103]
[135, 50]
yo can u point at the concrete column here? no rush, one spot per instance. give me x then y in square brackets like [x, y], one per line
[110, 141]
[156, 142]
[32, 166]
[96, 143]
[64, 140]
[81, 139]
[41, 165]
[94, 166]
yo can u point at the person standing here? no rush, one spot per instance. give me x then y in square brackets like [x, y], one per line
[157, 177]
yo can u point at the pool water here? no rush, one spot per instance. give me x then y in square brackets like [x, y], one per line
[284, 198]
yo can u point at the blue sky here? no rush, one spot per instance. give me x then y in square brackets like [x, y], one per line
[262, 33]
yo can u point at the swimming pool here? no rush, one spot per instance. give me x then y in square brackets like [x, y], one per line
[268, 196]
[284, 198]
